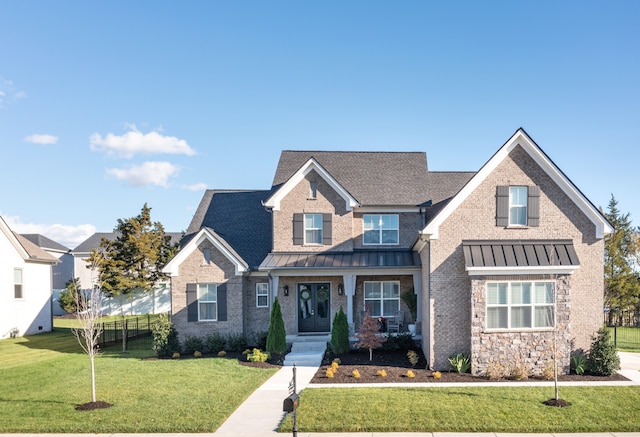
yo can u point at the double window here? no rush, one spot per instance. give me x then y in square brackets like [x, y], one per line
[17, 283]
[382, 299]
[520, 305]
[207, 302]
[380, 229]
[262, 295]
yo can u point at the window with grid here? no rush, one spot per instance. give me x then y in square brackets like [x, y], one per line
[520, 305]
[518, 206]
[382, 299]
[207, 302]
[313, 229]
[380, 229]
[262, 295]
[17, 283]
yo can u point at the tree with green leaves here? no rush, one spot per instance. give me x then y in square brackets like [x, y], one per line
[340, 333]
[621, 280]
[67, 299]
[134, 260]
[276, 337]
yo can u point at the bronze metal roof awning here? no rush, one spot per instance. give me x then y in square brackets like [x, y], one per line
[342, 260]
[505, 257]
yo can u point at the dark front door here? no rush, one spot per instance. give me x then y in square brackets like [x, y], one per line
[314, 303]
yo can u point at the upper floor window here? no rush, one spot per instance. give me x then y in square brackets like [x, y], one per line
[17, 283]
[518, 206]
[382, 299]
[380, 229]
[313, 229]
[207, 302]
[520, 305]
[262, 295]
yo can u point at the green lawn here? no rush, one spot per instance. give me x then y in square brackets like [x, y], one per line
[468, 409]
[627, 338]
[44, 377]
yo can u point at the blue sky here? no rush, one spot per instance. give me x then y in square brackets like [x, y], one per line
[107, 105]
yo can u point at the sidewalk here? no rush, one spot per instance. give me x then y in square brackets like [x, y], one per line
[261, 414]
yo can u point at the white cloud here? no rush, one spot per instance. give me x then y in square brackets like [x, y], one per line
[135, 142]
[41, 139]
[195, 187]
[8, 93]
[149, 173]
[67, 235]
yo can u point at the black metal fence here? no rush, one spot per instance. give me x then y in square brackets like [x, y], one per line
[130, 328]
[626, 338]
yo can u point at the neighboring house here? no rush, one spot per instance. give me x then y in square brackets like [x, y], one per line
[502, 260]
[156, 301]
[25, 285]
[62, 272]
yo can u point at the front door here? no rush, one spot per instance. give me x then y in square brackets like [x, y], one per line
[314, 304]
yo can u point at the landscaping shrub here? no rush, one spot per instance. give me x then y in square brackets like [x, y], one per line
[461, 363]
[519, 371]
[165, 337]
[277, 337]
[400, 341]
[257, 356]
[236, 342]
[260, 339]
[192, 344]
[496, 371]
[578, 364]
[340, 333]
[215, 342]
[413, 357]
[603, 359]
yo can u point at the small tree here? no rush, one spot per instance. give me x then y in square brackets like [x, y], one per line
[340, 333]
[368, 337]
[603, 359]
[68, 298]
[277, 337]
[165, 337]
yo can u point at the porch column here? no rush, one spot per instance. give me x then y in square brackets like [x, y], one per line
[349, 282]
[275, 281]
[417, 289]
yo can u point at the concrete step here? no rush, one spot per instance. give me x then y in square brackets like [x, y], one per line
[309, 346]
[304, 359]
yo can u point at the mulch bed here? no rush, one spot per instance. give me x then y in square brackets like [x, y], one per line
[396, 364]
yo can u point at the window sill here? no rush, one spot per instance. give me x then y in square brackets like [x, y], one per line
[516, 330]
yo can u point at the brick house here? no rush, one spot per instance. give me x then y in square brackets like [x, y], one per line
[499, 259]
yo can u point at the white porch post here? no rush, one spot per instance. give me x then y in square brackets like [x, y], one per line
[349, 282]
[417, 289]
[275, 281]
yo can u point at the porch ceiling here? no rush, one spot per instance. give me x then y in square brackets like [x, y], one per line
[342, 260]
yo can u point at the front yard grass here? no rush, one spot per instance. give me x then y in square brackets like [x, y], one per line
[468, 409]
[44, 377]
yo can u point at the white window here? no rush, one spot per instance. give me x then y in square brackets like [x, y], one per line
[520, 305]
[518, 206]
[380, 229]
[17, 283]
[382, 299]
[207, 302]
[262, 295]
[313, 229]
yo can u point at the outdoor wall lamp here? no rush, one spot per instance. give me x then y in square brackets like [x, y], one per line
[340, 289]
[285, 290]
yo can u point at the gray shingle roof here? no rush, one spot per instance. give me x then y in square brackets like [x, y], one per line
[239, 218]
[35, 252]
[443, 185]
[373, 178]
[44, 242]
[93, 242]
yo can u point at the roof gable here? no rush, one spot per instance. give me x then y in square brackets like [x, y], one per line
[521, 139]
[218, 242]
[371, 178]
[273, 202]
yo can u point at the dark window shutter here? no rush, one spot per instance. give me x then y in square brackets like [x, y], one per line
[502, 205]
[326, 229]
[533, 206]
[298, 229]
[222, 303]
[192, 302]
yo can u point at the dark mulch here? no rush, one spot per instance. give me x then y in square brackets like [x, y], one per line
[89, 406]
[396, 364]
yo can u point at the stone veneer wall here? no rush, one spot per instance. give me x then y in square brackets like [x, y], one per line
[531, 347]
[449, 285]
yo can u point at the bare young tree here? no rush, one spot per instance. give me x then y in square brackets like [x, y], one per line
[88, 333]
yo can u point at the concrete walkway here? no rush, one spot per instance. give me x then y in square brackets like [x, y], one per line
[261, 414]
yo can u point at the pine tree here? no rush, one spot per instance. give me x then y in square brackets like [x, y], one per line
[622, 287]
[340, 333]
[276, 337]
[68, 298]
[368, 337]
